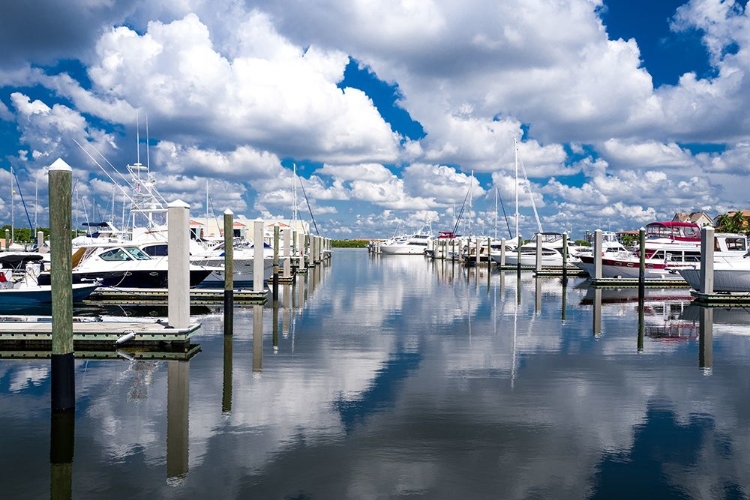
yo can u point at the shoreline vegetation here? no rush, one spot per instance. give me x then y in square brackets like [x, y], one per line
[349, 243]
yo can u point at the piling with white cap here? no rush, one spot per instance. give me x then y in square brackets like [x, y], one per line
[61, 278]
[178, 281]
[258, 258]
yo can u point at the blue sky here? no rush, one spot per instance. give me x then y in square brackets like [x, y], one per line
[624, 111]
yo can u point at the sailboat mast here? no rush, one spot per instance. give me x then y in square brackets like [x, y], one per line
[12, 208]
[495, 212]
[515, 148]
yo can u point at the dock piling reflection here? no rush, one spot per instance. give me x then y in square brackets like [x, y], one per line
[62, 442]
[178, 404]
[257, 338]
[706, 351]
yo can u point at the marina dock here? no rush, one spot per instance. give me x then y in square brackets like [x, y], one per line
[19, 332]
[160, 296]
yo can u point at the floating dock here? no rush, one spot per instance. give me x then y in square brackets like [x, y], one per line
[88, 353]
[33, 333]
[721, 299]
[633, 283]
[160, 296]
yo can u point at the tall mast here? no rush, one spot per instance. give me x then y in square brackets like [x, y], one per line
[515, 147]
[294, 195]
[495, 212]
[12, 208]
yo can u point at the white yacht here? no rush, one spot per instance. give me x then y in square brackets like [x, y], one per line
[415, 244]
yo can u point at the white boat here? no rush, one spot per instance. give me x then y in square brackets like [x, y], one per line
[415, 244]
[123, 265]
[213, 258]
[669, 246]
[552, 246]
[731, 265]
[19, 290]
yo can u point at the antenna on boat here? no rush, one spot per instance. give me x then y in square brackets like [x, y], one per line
[148, 157]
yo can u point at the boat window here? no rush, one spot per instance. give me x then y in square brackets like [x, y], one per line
[156, 250]
[736, 244]
[115, 254]
[659, 254]
[692, 256]
[137, 253]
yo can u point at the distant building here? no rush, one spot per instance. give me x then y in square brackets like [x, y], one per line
[700, 218]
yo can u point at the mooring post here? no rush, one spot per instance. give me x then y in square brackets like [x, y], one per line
[228, 272]
[476, 256]
[502, 252]
[39, 241]
[707, 260]
[565, 258]
[61, 252]
[538, 252]
[287, 269]
[7, 239]
[276, 262]
[178, 281]
[597, 252]
[642, 264]
[641, 322]
[275, 326]
[453, 250]
[258, 257]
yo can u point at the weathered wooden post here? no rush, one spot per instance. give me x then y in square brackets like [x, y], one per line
[705, 342]
[258, 257]
[707, 260]
[178, 281]
[537, 295]
[287, 269]
[642, 264]
[228, 272]
[276, 262]
[538, 252]
[597, 252]
[61, 252]
[275, 326]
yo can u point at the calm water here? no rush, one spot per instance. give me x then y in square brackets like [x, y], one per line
[399, 377]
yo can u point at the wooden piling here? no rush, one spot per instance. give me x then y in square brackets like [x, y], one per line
[275, 262]
[642, 264]
[287, 268]
[258, 259]
[295, 263]
[178, 281]
[39, 241]
[707, 260]
[7, 239]
[257, 338]
[538, 252]
[61, 251]
[226, 386]
[502, 252]
[178, 423]
[597, 254]
[228, 272]
[518, 254]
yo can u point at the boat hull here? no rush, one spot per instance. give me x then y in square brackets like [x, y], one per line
[154, 278]
[725, 280]
[20, 300]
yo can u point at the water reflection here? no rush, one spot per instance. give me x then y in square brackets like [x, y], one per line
[392, 377]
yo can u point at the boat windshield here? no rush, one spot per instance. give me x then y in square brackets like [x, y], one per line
[137, 253]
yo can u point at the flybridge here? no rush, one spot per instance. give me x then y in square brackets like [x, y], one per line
[674, 230]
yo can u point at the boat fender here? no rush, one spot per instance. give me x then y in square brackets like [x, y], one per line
[128, 335]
